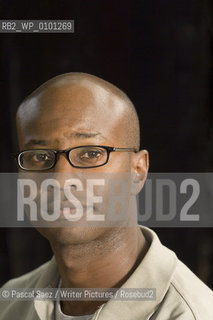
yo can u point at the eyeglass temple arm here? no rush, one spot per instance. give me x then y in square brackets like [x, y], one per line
[14, 155]
[125, 149]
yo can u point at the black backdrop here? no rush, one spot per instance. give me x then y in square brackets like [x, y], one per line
[160, 53]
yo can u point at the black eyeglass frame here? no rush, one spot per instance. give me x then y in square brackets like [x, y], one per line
[67, 152]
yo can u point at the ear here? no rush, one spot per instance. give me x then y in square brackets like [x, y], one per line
[140, 166]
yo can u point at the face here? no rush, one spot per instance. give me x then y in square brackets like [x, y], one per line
[68, 116]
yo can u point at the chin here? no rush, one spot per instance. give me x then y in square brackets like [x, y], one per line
[71, 235]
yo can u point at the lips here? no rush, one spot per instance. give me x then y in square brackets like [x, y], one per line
[70, 205]
[69, 211]
[69, 208]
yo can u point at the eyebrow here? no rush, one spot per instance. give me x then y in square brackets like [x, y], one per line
[83, 135]
[78, 135]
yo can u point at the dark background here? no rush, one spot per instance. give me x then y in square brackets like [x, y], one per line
[160, 53]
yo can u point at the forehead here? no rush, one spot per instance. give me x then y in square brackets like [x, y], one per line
[72, 108]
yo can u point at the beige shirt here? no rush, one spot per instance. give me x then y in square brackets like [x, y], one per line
[59, 315]
[179, 293]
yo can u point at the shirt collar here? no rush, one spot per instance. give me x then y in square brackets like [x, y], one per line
[155, 271]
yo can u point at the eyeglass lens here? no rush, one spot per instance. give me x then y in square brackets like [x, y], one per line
[80, 157]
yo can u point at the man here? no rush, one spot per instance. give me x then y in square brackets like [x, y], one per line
[74, 110]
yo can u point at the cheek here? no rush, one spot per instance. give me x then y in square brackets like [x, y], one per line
[119, 162]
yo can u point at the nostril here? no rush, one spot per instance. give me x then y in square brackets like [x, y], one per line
[73, 186]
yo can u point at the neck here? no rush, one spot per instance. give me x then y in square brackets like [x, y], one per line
[102, 263]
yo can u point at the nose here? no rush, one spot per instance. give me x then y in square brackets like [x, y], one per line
[63, 170]
[67, 176]
[62, 165]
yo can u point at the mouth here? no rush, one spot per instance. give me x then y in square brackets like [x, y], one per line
[72, 210]
[67, 210]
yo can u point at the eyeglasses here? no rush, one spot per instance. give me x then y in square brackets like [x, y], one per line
[79, 157]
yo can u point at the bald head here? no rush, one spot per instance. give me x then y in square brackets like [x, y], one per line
[77, 110]
[82, 102]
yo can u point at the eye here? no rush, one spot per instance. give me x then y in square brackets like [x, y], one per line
[88, 156]
[93, 154]
[38, 157]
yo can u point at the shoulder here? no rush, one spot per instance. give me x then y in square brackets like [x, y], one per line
[187, 297]
[38, 278]
[180, 294]
[192, 292]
